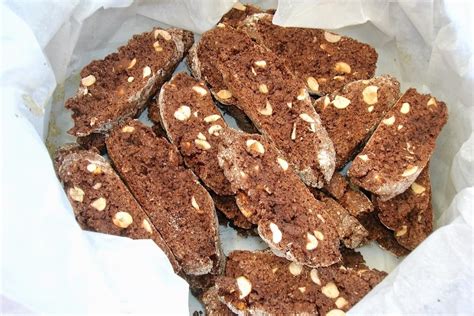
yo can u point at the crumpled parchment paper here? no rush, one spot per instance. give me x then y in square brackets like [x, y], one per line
[49, 265]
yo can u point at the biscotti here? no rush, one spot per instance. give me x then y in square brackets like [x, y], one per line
[409, 214]
[100, 200]
[323, 60]
[239, 12]
[117, 87]
[270, 194]
[260, 283]
[227, 205]
[351, 114]
[179, 207]
[401, 145]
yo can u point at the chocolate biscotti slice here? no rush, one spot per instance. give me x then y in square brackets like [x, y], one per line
[260, 283]
[213, 305]
[409, 214]
[351, 114]
[227, 205]
[270, 194]
[100, 200]
[401, 145]
[239, 12]
[117, 87]
[179, 207]
[323, 60]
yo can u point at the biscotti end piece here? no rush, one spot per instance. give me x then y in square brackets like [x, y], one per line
[401, 145]
[193, 124]
[214, 307]
[179, 207]
[270, 194]
[325, 61]
[260, 283]
[101, 201]
[351, 114]
[117, 87]
[409, 214]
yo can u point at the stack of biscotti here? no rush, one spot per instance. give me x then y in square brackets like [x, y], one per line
[260, 283]
[247, 75]
[179, 207]
[118, 87]
[323, 60]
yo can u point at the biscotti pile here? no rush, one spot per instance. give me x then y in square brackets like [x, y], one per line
[330, 159]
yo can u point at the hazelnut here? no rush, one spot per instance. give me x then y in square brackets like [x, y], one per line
[194, 203]
[261, 63]
[326, 101]
[244, 286]
[338, 78]
[214, 130]
[431, 101]
[399, 127]
[335, 312]
[363, 157]
[311, 242]
[341, 302]
[157, 47]
[99, 204]
[313, 84]
[342, 67]
[331, 37]
[253, 71]
[263, 88]
[91, 167]
[130, 79]
[132, 63]
[220, 25]
[410, 171]
[122, 219]
[321, 218]
[212, 118]
[76, 194]
[200, 90]
[315, 276]
[88, 81]
[389, 121]
[276, 233]
[97, 186]
[295, 268]
[318, 235]
[405, 108]
[146, 226]
[162, 33]
[254, 146]
[330, 290]
[283, 163]
[302, 289]
[293, 132]
[402, 231]
[369, 94]
[239, 6]
[340, 102]
[201, 136]
[224, 94]
[274, 270]
[183, 113]
[146, 72]
[202, 144]
[370, 109]
[267, 111]
[302, 95]
[417, 188]
[128, 129]
[307, 118]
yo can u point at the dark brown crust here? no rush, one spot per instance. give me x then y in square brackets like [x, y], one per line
[94, 140]
[272, 196]
[278, 291]
[349, 127]
[111, 97]
[153, 170]
[401, 145]
[309, 54]
[99, 198]
[409, 214]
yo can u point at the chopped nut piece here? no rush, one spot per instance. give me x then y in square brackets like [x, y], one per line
[302, 95]
[331, 37]
[340, 78]
[128, 129]
[363, 157]
[122, 219]
[263, 88]
[318, 235]
[157, 47]
[341, 102]
[91, 167]
[224, 94]
[194, 203]
[293, 132]
[76, 194]
[214, 130]
[289, 105]
[313, 84]
[283, 163]
[211, 118]
[200, 90]
[431, 101]
[312, 242]
[202, 144]
[370, 108]
[315, 276]
[267, 111]
[254, 146]
[399, 127]
[405, 108]
[276, 233]
[220, 25]
[162, 33]
[369, 94]
[410, 171]
[307, 118]
[417, 188]
[244, 285]
[99, 204]
[335, 312]
[302, 289]
[342, 67]
[330, 290]
[132, 63]
[261, 63]
[239, 6]
[341, 302]
[201, 136]
[274, 270]
[97, 186]
[88, 81]
[389, 121]
[146, 225]
[295, 268]
[327, 101]
[130, 79]
[146, 72]
[183, 113]
[402, 231]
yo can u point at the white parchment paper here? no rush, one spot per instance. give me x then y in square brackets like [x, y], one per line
[49, 265]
